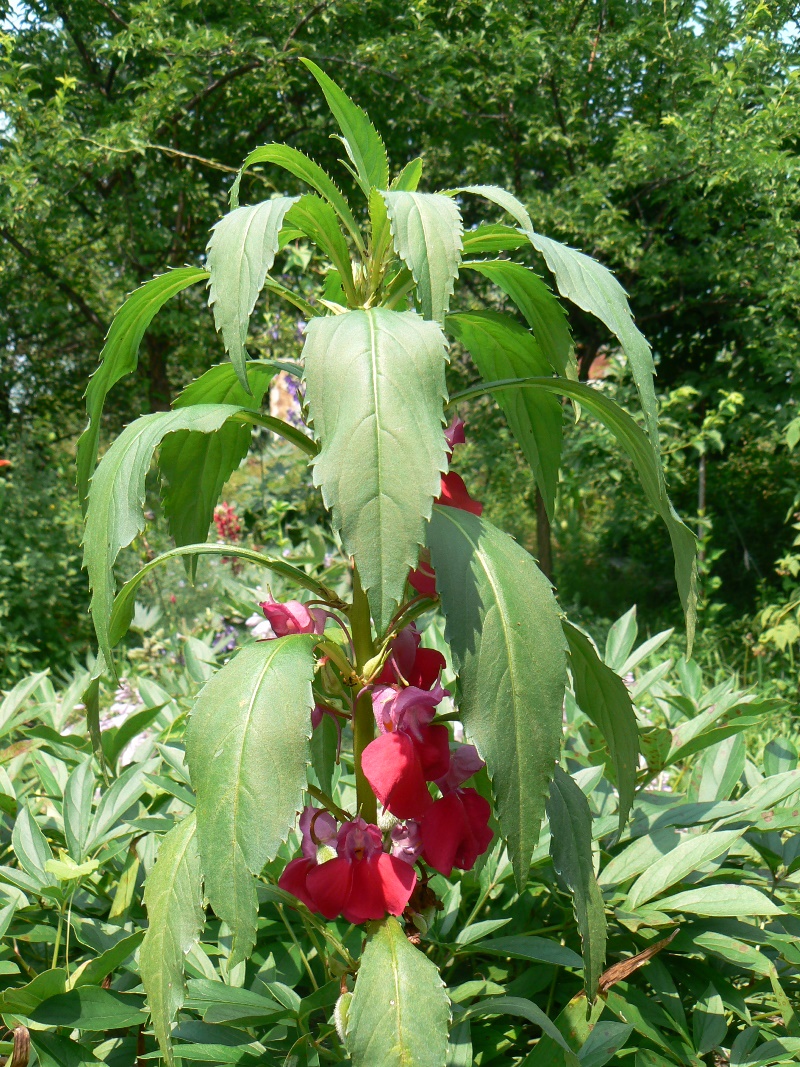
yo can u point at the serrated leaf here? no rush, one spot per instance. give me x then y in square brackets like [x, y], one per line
[603, 696]
[408, 178]
[77, 809]
[196, 466]
[375, 389]
[241, 252]
[361, 139]
[427, 229]
[493, 238]
[115, 514]
[542, 311]
[298, 164]
[571, 850]
[174, 900]
[593, 288]
[501, 348]
[399, 1013]
[247, 746]
[120, 355]
[638, 446]
[503, 626]
[317, 219]
[672, 868]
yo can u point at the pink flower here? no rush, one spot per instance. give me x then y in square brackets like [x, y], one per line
[454, 434]
[363, 882]
[455, 831]
[292, 617]
[406, 841]
[464, 762]
[318, 827]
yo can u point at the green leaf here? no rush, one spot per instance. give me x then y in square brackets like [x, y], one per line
[527, 947]
[247, 747]
[408, 178]
[493, 239]
[672, 868]
[709, 1025]
[67, 870]
[361, 140]
[603, 696]
[638, 446]
[120, 355]
[501, 348]
[571, 849]
[542, 311]
[197, 465]
[124, 602]
[94, 971]
[593, 288]
[317, 219]
[31, 848]
[427, 229]
[91, 1008]
[174, 901]
[504, 628]
[13, 702]
[116, 500]
[399, 1013]
[375, 389]
[606, 1039]
[241, 252]
[25, 999]
[526, 1009]
[721, 900]
[122, 794]
[298, 164]
[77, 809]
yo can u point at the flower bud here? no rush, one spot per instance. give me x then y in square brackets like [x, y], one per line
[340, 1013]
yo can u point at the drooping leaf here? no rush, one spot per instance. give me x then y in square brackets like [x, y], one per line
[427, 229]
[317, 219]
[115, 514]
[504, 628]
[542, 311]
[247, 746]
[603, 696]
[525, 1009]
[399, 1013]
[120, 355]
[174, 900]
[78, 794]
[571, 849]
[673, 867]
[593, 288]
[487, 238]
[298, 164]
[501, 348]
[197, 465]
[638, 446]
[375, 389]
[361, 140]
[241, 252]
[124, 602]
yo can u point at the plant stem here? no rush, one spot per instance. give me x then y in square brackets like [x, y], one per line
[363, 718]
[298, 946]
[326, 802]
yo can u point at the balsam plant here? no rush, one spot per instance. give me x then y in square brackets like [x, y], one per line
[346, 675]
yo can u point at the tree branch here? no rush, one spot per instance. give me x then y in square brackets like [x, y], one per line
[304, 21]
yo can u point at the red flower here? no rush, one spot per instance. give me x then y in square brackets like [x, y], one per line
[423, 579]
[455, 831]
[455, 494]
[293, 617]
[363, 882]
[454, 434]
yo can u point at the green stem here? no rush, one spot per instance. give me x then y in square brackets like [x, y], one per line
[57, 945]
[298, 946]
[326, 802]
[363, 718]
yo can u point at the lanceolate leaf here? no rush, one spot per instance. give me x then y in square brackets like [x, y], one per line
[120, 355]
[174, 901]
[427, 229]
[317, 219]
[487, 238]
[247, 747]
[399, 1013]
[501, 348]
[504, 628]
[603, 696]
[543, 312]
[307, 171]
[197, 465]
[240, 253]
[409, 176]
[375, 395]
[571, 849]
[362, 141]
[116, 500]
[593, 288]
[640, 449]
[124, 603]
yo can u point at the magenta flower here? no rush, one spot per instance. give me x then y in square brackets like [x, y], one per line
[455, 831]
[464, 762]
[454, 434]
[406, 841]
[292, 617]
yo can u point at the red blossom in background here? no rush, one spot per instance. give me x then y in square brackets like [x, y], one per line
[227, 522]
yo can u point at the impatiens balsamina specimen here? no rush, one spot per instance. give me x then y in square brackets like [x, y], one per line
[338, 712]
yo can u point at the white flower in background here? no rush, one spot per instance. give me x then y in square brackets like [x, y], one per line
[260, 627]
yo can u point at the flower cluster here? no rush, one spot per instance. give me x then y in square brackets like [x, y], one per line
[227, 522]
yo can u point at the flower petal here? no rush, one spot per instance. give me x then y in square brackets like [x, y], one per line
[392, 766]
[329, 886]
[293, 880]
